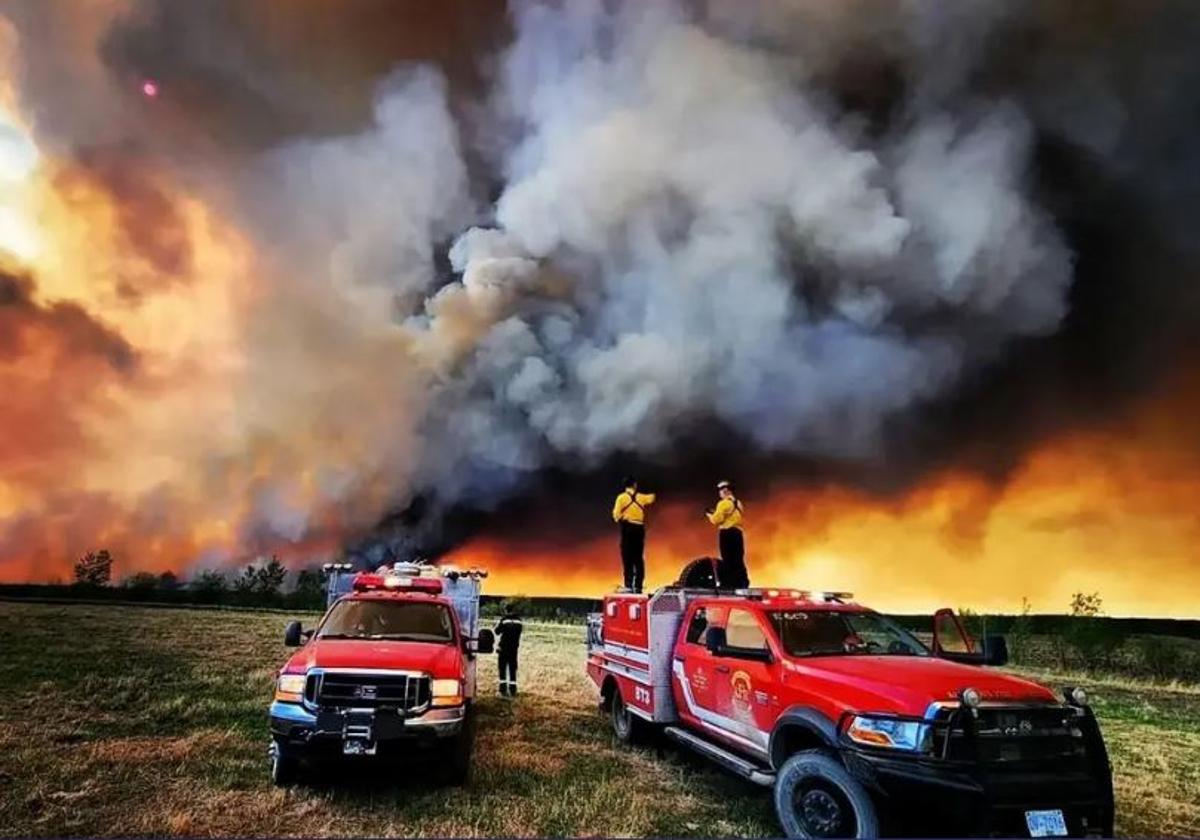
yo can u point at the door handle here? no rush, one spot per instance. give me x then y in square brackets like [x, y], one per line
[722, 669]
[680, 659]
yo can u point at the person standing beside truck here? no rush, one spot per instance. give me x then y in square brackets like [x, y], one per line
[728, 516]
[509, 631]
[629, 512]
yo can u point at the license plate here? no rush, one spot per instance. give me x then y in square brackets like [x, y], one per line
[1046, 823]
[358, 748]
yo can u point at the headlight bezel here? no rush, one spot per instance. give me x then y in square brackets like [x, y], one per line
[890, 733]
[289, 688]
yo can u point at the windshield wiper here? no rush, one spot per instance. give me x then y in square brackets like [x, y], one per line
[341, 636]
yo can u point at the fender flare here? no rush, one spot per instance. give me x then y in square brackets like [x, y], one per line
[813, 725]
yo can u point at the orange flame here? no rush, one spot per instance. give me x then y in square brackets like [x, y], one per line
[1111, 511]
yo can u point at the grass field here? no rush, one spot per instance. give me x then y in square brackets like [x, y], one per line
[144, 721]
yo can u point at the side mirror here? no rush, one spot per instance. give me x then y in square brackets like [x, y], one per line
[486, 642]
[714, 640]
[291, 636]
[995, 650]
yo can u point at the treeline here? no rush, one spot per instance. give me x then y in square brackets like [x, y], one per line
[266, 584]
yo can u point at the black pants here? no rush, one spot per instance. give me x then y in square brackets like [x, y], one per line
[633, 547]
[508, 672]
[732, 570]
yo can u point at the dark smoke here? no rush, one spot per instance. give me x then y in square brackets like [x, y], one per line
[774, 241]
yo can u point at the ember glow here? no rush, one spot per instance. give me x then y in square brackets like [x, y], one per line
[1088, 512]
[928, 298]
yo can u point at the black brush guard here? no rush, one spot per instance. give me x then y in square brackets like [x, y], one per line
[980, 769]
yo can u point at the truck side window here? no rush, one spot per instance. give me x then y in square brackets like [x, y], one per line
[697, 626]
[744, 631]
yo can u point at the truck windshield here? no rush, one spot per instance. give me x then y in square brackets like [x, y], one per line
[837, 633]
[390, 620]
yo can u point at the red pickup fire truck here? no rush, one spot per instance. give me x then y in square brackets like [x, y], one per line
[858, 725]
[389, 670]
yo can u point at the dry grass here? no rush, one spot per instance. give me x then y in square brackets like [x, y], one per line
[121, 721]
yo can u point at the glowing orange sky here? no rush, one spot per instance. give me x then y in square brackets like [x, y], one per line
[136, 417]
[1113, 511]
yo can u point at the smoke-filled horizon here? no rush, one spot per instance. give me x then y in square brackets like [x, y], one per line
[375, 276]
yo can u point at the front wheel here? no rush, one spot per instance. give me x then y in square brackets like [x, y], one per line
[815, 796]
[285, 767]
[457, 769]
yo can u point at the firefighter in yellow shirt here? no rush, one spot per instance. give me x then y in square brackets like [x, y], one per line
[728, 516]
[629, 511]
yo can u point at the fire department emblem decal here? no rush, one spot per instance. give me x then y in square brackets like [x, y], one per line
[741, 694]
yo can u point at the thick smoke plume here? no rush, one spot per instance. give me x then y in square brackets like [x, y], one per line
[451, 253]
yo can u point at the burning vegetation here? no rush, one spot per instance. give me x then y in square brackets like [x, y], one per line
[920, 279]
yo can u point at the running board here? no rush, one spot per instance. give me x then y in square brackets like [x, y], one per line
[734, 763]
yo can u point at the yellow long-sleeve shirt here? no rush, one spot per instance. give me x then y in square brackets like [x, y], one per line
[727, 514]
[630, 506]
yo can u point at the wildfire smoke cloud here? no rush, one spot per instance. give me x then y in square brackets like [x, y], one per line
[457, 251]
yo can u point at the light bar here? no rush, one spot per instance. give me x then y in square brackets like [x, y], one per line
[368, 581]
[759, 594]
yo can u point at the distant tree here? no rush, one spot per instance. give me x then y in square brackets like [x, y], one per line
[1085, 605]
[142, 582]
[1094, 639]
[244, 583]
[1020, 634]
[209, 586]
[94, 568]
[168, 582]
[310, 588]
[972, 623]
[261, 583]
[271, 577]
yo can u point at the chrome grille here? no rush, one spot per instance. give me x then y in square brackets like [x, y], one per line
[399, 691]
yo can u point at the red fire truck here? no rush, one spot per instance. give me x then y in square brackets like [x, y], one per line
[389, 670]
[857, 725]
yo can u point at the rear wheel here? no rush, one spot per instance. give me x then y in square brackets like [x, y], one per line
[285, 767]
[628, 727]
[816, 797]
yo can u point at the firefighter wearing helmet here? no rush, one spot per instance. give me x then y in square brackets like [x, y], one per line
[728, 516]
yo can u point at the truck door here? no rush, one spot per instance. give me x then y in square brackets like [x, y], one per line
[747, 696]
[692, 665]
[949, 635]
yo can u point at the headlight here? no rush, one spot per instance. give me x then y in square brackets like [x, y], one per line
[446, 692]
[882, 732]
[290, 688]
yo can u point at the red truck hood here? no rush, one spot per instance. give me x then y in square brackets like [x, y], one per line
[908, 684]
[440, 660]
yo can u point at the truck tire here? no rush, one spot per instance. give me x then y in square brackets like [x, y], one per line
[628, 727]
[457, 769]
[285, 767]
[815, 796]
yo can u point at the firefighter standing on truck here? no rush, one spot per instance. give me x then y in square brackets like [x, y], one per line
[629, 511]
[509, 631]
[727, 516]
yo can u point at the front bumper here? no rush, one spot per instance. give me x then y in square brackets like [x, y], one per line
[931, 795]
[303, 729]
